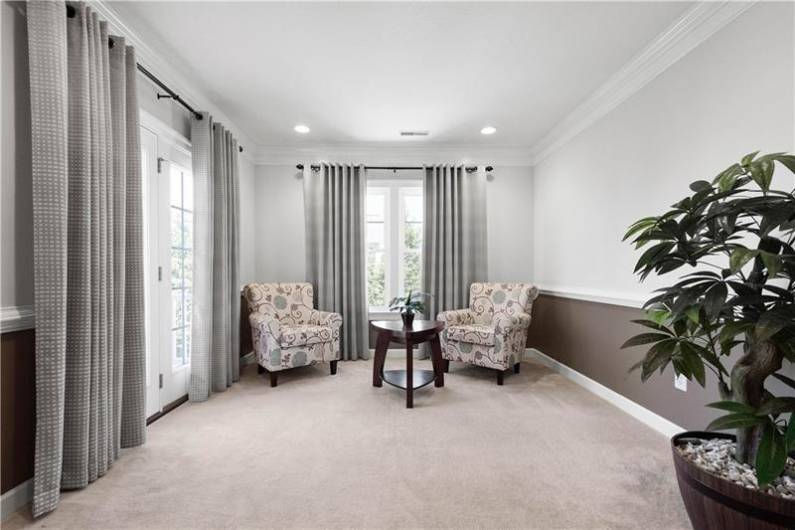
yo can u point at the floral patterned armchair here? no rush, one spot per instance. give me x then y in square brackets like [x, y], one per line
[287, 331]
[493, 331]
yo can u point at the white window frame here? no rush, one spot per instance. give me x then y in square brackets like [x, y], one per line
[394, 241]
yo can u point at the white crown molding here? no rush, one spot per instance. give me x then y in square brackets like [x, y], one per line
[639, 412]
[17, 318]
[167, 72]
[695, 26]
[596, 296]
[394, 154]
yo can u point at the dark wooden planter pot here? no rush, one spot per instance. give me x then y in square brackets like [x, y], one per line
[408, 319]
[713, 502]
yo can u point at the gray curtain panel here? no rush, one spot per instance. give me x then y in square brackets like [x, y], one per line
[334, 203]
[455, 236]
[88, 249]
[215, 343]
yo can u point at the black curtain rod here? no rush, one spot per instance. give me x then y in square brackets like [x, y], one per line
[469, 169]
[70, 13]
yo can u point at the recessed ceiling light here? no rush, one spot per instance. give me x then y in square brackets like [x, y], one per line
[303, 129]
[488, 130]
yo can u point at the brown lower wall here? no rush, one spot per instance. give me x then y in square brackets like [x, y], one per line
[18, 407]
[587, 337]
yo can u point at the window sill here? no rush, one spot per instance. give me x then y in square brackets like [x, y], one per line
[376, 314]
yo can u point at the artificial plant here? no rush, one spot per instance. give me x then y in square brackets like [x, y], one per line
[738, 232]
[409, 304]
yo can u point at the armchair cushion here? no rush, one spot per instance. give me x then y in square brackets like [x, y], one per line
[473, 333]
[303, 334]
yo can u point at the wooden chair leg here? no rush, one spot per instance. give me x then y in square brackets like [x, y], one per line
[447, 366]
[260, 369]
[333, 367]
[274, 378]
[500, 377]
[516, 368]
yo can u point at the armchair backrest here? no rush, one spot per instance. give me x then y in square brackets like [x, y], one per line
[489, 299]
[289, 303]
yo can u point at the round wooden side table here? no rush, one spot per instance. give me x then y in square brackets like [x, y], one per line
[408, 379]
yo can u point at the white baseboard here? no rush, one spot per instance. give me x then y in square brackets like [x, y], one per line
[653, 420]
[16, 499]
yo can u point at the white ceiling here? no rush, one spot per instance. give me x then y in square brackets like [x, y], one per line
[358, 73]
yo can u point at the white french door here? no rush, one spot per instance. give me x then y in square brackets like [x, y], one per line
[168, 255]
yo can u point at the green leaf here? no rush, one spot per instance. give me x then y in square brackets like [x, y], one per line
[771, 457]
[747, 159]
[639, 226]
[700, 185]
[769, 324]
[762, 173]
[741, 256]
[772, 262]
[788, 161]
[736, 420]
[694, 362]
[776, 406]
[657, 356]
[732, 406]
[715, 298]
[652, 325]
[789, 436]
[644, 338]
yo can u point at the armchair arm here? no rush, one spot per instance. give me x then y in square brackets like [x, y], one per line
[266, 325]
[508, 323]
[457, 317]
[325, 318]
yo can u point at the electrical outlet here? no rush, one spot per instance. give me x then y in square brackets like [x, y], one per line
[680, 382]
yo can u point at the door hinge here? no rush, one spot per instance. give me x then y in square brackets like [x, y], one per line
[160, 161]
[161, 380]
[160, 274]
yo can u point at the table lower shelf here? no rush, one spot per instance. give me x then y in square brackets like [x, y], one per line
[397, 378]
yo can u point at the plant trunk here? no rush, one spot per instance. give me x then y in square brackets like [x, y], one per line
[758, 362]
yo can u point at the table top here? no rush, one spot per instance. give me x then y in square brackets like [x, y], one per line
[397, 328]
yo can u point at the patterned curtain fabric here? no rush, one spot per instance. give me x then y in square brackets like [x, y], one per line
[334, 202]
[454, 248]
[215, 344]
[88, 249]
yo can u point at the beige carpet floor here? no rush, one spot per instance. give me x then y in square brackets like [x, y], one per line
[334, 452]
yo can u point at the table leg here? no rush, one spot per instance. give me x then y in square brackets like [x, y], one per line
[409, 375]
[381, 345]
[438, 362]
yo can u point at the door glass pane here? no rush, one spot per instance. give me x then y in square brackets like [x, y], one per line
[181, 237]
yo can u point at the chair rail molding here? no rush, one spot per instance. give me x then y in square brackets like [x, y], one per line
[17, 318]
[695, 26]
[595, 295]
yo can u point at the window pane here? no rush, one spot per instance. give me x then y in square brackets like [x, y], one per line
[188, 306]
[178, 347]
[412, 271]
[176, 267]
[187, 230]
[375, 236]
[176, 227]
[187, 190]
[175, 186]
[412, 236]
[376, 278]
[376, 205]
[413, 206]
[177, 319]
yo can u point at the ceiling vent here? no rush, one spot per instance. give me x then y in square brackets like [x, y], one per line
[413, 133]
